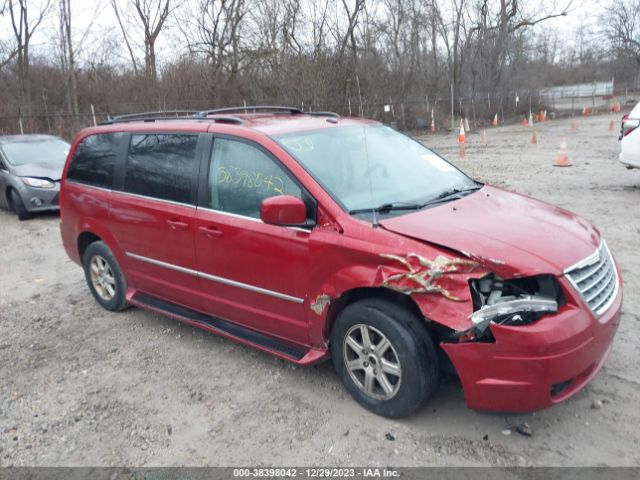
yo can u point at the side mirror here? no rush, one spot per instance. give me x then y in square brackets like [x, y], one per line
[283, 210]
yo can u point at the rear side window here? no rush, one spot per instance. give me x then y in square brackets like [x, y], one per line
[161, 166]
[94, 159]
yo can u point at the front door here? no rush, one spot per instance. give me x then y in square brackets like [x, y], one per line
[252, 273]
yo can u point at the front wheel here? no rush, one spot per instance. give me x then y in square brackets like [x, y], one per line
[384, 357]
[19, 206]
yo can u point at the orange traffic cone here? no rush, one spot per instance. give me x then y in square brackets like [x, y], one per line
[525, 123]
[534, 138]
[612, 125]
[562, 160]
[461, 138]
[495, 120]
[483, 139]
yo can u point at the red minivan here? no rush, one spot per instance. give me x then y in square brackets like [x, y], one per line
[312, 236]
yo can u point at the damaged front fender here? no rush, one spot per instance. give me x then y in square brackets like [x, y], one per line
[438, 285]
[422, 275]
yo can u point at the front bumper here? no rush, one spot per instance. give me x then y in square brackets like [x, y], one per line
[41, 199]
[535, 366]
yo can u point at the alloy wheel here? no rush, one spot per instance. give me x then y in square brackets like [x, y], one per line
[102, 278]
[372, 362]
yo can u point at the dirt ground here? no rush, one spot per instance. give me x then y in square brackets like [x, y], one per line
[82, 386]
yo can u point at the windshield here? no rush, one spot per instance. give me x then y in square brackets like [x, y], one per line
[366, 167]
[50, 150]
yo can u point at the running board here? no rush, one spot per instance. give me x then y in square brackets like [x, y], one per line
[227, 329]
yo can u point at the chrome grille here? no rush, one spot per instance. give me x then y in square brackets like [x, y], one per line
[596, 279]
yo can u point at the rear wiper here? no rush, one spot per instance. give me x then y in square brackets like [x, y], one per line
[388, 207]
[450, 193]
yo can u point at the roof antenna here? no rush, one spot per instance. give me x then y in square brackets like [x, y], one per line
[374, 211]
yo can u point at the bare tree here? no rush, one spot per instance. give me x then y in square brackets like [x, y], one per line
[69, 47]
[24, 26]
[152, 14]
[453, 30]
[349, 36]
[213, 31]
[7, 49]
[497, 23]
[125, 36]
[68, 56]
[318, 12]
[622, 28]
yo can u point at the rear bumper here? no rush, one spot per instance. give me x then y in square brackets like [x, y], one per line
[534, 367]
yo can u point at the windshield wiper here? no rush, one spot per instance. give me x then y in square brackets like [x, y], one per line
[451, 193]
[388, 207]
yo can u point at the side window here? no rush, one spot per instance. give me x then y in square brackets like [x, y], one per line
[161, 166]
[94, 159]
[241, 176]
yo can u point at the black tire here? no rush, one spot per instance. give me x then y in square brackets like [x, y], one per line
[412, 347]
[19, 207]
[99, 251]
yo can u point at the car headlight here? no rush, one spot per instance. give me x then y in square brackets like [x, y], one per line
[512, 311]
[38, 182]
[518, 301]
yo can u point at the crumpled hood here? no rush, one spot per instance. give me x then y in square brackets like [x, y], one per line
[49, 170]
[510, 233]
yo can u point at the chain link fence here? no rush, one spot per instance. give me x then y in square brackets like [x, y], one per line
[409, 113]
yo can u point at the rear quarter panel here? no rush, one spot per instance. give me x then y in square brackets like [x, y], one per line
[84, 209]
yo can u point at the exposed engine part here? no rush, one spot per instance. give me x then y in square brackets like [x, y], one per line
[511, 302]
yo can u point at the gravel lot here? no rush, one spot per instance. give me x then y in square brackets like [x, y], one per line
[82, 386]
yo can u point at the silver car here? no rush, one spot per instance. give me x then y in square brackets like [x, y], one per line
[30, 171]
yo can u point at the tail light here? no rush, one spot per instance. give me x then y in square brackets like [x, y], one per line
[628, 126]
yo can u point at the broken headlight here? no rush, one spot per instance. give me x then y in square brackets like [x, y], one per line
[517, 301]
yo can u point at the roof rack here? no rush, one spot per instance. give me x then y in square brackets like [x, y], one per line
[253, 108]
[151, 115]
[266, 108]
[171, 115]
[324, 114]
[212, 115]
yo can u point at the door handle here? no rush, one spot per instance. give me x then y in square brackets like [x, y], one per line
[210, 231]
[177, 225]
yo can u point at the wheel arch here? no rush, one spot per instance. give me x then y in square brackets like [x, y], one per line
[436, 331]
[85, 239]
[361, 293]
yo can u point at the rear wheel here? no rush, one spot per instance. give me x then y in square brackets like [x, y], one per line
[104, 277]
[19, 206]
[384, 357]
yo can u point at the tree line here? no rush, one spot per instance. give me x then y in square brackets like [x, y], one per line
[347, 55]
